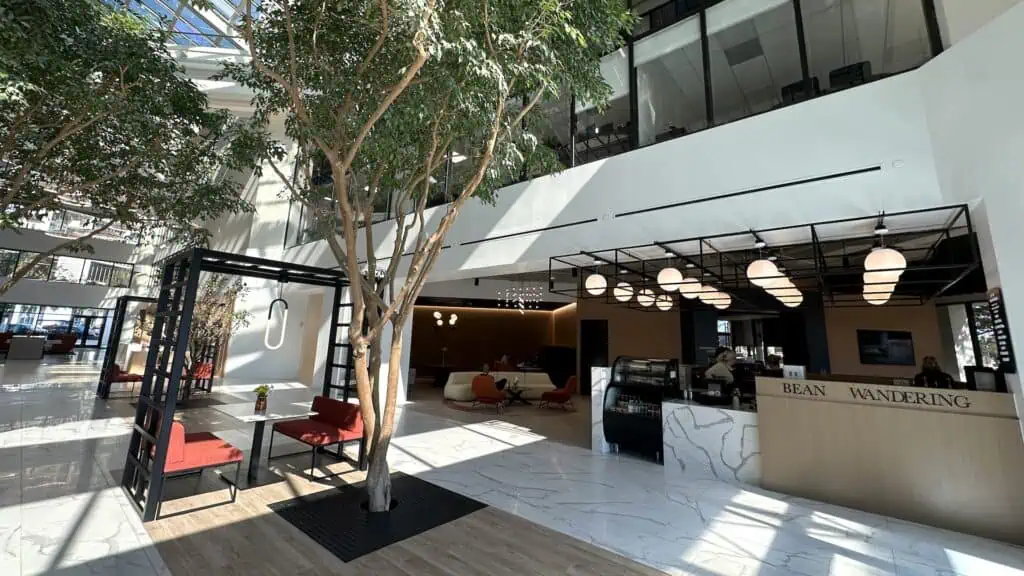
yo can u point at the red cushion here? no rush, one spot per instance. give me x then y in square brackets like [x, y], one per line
[315, 432]
[203, 450]
[338, 414]
[562, 395]
[127, 377]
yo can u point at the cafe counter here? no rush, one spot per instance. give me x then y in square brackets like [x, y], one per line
[947, 458]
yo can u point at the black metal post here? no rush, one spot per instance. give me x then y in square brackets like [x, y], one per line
[972, 327]
[572, 131]
[156, 484]
[931, 23]
[634, 103]
[801, 41]
[705, 54]
[332, 340]
[103, 389]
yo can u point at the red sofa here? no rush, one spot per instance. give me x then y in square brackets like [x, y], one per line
[336, 422]
[192, 453]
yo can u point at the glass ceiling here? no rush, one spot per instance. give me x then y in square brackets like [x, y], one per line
[192, 26]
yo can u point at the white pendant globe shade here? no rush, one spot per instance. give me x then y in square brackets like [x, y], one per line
[872, 279]
[622, 292]
[669, 279]
[880, 288]
[762, 273]
[877, 298]
[707, 293]
[595, 284]
[792, 302]
[786, 293]
[664, 302]
[722, 301]
[690, 288]
[645, 297]
[885, 259]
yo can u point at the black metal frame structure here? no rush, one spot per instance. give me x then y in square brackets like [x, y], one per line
[829, 264]
[120, 313]
[143, 477]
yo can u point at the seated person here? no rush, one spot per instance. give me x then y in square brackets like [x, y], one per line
[932, 376]
[721, 370]
[499, 384]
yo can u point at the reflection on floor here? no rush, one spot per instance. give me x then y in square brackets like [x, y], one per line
[555, 424]
[61, 512]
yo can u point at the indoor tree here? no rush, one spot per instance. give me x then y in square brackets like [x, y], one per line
[98, 119]
[375, 95]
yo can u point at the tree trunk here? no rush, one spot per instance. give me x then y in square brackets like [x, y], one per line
[378, 480]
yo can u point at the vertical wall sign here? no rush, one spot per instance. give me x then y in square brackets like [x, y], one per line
[1002, 331]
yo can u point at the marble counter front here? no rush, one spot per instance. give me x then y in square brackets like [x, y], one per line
[710, 443]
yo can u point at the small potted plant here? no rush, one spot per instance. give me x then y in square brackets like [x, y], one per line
[262, 391]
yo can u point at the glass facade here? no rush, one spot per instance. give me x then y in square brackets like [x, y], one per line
[68, 269]
[91, 325]
[193, 26]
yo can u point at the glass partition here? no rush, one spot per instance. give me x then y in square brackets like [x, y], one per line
[670, 83]
[850, 42]
[755, 56]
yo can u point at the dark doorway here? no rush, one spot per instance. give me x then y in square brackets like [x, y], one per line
[593, 350]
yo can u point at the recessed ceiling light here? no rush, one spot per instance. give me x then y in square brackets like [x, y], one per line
[759, 244]
[773, 258]
[881, 228]
[669, 254]
[689, 265]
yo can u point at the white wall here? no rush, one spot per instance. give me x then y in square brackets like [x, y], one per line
[972, 98]
[877, 125]
[959, 18]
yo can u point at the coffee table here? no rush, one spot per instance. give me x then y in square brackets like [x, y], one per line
[246, 412]
[515, 396]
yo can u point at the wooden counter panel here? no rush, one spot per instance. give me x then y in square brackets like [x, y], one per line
[958, 471]
[899, 397]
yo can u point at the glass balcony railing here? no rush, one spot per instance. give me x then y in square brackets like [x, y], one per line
[73, 225]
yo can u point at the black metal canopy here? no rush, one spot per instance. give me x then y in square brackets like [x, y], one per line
[825, 257]
[143, 475]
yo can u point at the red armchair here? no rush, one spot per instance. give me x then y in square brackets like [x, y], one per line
[486, 392]
[62, 343]
[192, 453]
[336, 422]
[561, 396]
[119, 375]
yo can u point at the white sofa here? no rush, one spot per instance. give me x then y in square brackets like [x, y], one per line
[460, 384]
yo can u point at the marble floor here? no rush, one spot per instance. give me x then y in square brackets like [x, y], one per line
[61, 512]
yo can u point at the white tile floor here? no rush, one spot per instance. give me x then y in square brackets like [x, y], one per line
[62, 512]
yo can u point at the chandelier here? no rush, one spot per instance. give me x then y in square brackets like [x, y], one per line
[520, 297]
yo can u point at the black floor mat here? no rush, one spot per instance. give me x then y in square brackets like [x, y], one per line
[335, 519]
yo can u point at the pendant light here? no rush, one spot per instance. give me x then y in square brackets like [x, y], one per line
[723, 301]
[595, 284]
[664, 302]
[886, 260]
[645, 297]
[763, 273]
[670, 279]
[690, 288]
[623, 292]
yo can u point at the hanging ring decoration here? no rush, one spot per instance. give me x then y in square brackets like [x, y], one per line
[284, 323]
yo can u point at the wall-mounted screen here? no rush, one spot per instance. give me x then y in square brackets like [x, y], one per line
[886, 347]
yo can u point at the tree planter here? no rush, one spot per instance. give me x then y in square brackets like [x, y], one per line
[261, 404]
[365, 507]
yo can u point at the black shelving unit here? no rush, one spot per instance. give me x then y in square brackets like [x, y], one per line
[632, 403]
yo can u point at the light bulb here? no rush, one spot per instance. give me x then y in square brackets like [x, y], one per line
[690, 288]
[669, 279]
[623, 292]
[763, 273]
[437, 315]
[885, 259]
[664, 302]
[645, 298]
[722, 301]
[596, 284]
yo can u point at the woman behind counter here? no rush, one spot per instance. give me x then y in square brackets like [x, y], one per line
[721, 370]
[931, 375]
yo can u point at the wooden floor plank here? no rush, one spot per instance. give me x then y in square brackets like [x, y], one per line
[248, 538]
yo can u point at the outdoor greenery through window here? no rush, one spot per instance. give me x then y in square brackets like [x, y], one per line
[91, 325]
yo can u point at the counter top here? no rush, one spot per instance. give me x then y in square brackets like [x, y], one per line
[728, 408]
[709, 443]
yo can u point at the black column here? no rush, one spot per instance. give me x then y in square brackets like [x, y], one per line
[705, 52]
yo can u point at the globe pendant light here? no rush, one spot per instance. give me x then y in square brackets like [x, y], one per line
[877, 298]
[722, 301]
[792, 301]
[670, 279]
[707, 293]
[885, 259]
[645, 298]
[690, 288]
[596, 284]
[664, 302]
[763, 273]
[623, 292]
